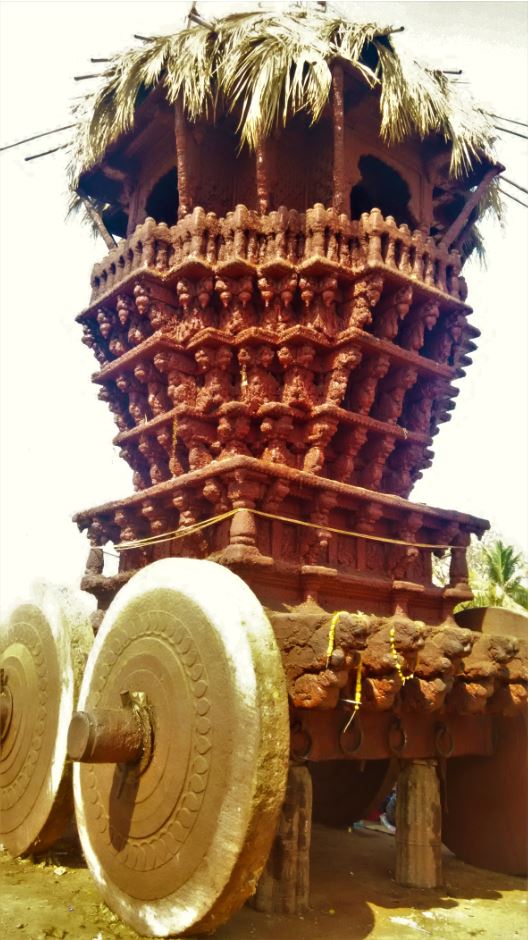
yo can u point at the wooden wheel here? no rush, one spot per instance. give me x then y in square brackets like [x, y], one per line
[345, 790]
[486, 822]
[42, 652]
[183, 742]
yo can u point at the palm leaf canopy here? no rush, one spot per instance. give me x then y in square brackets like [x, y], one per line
[265, 68]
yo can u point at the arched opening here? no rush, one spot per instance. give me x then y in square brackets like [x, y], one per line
[383, 188]
[163, 200]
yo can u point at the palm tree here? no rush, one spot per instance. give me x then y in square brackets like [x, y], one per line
[498, 574]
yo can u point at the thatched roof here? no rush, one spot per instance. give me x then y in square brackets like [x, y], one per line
[266, 67]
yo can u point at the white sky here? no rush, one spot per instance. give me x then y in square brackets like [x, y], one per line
[56, 451]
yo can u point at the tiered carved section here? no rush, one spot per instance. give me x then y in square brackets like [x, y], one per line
[280, 239]
[263, 336]
[343, 541]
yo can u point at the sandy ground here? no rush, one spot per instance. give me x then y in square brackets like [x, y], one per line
[353, 896]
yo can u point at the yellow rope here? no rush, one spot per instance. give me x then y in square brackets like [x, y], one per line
[332, 633]
[403, 678]
[357, 692]
[189, 530]
[357, 698]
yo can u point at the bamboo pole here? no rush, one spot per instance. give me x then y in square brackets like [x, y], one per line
[339, 200]
[183, 168]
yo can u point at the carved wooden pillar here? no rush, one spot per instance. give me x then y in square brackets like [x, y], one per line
[339, 199]
[262, 177]
[418, 825]
[183, 163]
[284, 887]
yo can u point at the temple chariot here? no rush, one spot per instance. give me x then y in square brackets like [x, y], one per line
[277, 325]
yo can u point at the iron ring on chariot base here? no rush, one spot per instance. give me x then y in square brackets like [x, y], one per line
[396, 727]
[298, 728]
[442, 734]
[353, 720]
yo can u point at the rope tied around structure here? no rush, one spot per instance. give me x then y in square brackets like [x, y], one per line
[213, 520]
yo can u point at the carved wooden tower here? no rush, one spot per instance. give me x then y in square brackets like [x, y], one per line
[278, 332]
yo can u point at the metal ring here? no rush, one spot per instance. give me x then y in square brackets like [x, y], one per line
[356, 723]
[443, 732]
[395, 725]
[298, 728]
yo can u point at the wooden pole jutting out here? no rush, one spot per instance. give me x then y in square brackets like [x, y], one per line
[459, 223]
[339, 200]
[183, 163]
[98, 221]
[262, 177]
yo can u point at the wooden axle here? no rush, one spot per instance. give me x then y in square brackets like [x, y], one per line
[112, 735]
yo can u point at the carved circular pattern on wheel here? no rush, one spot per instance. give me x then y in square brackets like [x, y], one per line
[43, 648]
[180, 844]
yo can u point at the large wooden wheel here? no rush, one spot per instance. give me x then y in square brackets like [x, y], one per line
[486, 822]
[183, 743]
[43, 648]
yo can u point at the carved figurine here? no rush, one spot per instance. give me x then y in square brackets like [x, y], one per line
[195, 300]
[118, 406]
[387, 321]
[161, 316]
[335, 382]
[145, 373]
[99, 348]
[420, 322]
[391, 395]
[320, 432]
[361, 298]
[217, 388]
[182, 387]
[299, 389]
[258, 385]
[348, 446]
[319, 296]
[233, 434]
[375, 455]
[155, 458]
[237, 310]
[362, 394]
[277, 431]
[198, 437]
[278, 294]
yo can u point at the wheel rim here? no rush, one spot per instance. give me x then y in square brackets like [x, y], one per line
[180, 843]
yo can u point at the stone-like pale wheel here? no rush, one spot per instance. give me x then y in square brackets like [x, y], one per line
[183, 738]
[43, 649]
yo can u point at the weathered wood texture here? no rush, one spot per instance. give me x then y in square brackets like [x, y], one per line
[285, 883]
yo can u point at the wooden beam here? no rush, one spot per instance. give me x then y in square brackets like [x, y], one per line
[339, 200]
[262, 178]
[183, 163]
[459, 223]
[97, 219]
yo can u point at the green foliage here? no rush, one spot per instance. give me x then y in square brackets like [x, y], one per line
[498, 575]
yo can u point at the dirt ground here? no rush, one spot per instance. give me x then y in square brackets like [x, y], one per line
[353, 896]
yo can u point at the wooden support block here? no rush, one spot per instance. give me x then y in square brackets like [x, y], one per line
[418, 825]
[285, 883]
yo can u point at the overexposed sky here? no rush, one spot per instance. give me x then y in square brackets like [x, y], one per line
[56, 451]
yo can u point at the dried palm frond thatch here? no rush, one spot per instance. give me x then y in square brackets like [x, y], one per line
[265, 68]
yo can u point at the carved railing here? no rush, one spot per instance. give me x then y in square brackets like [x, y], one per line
[284, 237]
